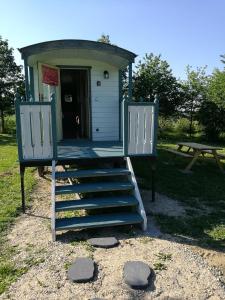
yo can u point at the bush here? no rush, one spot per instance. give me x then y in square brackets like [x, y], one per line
[182, 125]
[165, 124]
[212, 117]
[10, 124]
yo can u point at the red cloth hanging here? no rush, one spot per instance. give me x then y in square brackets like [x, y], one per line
[50, 75]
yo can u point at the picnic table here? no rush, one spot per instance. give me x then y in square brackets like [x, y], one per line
[194, 150]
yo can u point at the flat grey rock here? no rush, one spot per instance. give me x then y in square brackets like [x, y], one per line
[136, 274]
[106, 242]
[82, 270]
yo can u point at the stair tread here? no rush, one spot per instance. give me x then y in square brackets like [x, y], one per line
[92, 173]
[98, 221]
[96, 202]
[93, 187]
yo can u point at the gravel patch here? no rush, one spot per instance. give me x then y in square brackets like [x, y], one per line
[178, 272]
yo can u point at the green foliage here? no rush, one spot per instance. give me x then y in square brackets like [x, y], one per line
[177, 126]
[212, 111]
[217, 88]
[223, 58]
[104, 39]
[159, 266]
[182, 125]
[212, 118]
[154, 77]
[194, 91]
[164, 256]
[10, 124]
[11, 79]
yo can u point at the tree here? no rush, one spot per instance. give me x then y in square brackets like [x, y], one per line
[212, 117]
[10, 79]
[154, 77]
[212, 112]
[216, 90]
[194, 93]
[222, 58]
[104, 39]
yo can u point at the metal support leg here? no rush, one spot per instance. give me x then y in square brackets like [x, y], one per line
[22, 171]
[153, 182]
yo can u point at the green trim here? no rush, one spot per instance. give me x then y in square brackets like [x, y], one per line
[156, 112]
[133, 103]
[90, 103]
[73, 67]
[18, 129]
[120, 101]
[77, 44]
[125, 127]
[54, 124]
[35, 103]
[31, 73]
[130, 82]
[27, 88]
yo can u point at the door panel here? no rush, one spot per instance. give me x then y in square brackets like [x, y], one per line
[74, 105]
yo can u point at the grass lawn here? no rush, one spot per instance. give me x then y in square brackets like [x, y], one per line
[203, 192]
[10, 203]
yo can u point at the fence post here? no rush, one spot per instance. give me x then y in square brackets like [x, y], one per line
[125, 127]
[54, 131]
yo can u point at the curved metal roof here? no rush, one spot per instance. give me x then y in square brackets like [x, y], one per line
[77, 44]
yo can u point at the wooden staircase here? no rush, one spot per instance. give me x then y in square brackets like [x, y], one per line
[127, 199]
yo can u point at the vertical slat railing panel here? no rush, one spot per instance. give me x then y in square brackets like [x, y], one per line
[36, 131]
[47, 132]
[140, 125]
[148, 131]
[26, 134]
[35, 113]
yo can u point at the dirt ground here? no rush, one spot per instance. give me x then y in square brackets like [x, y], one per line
[179, 271]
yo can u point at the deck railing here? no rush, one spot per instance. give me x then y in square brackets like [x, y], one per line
[140, 128]
[36, 132]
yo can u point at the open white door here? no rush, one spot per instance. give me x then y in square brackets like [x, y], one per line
[49, 83]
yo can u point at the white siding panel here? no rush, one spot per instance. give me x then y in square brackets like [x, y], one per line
[105, 104]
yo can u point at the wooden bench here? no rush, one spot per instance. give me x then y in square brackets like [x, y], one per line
[179, 153]
[221, 156]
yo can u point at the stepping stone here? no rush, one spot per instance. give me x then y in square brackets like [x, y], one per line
[136, 274]
[82, 270]
[106, 242]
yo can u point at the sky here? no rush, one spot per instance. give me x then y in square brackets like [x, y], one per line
[182, 31]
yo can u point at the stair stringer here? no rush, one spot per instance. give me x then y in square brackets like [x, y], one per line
[53, 202]
[136, 193]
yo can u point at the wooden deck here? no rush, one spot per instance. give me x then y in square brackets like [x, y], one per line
[82, 149]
